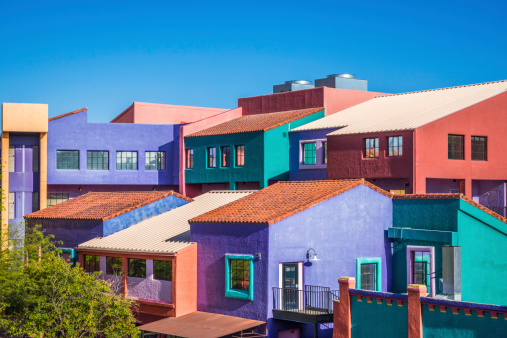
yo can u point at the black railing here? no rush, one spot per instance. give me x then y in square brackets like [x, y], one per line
[499, 210]
[313, 300]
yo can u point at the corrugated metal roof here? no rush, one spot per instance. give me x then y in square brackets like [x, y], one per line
[406, 111]
[165, 233]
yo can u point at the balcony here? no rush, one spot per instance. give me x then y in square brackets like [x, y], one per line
[314, 304]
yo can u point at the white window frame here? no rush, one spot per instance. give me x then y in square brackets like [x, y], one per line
[319, 154]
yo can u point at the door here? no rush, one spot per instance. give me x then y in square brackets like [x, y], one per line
[290, 282]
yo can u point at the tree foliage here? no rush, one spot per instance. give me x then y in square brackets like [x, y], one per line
[43, 296]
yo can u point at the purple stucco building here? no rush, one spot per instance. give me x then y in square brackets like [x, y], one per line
[280, 231]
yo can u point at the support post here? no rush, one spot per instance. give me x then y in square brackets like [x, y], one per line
[124, 274]
[4, 229]
[341, 309]
[43, 170]
[415, 325]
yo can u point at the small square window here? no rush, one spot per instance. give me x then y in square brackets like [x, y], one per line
[309, 153]
[240, 156]
[163, 270]
[395, 146]
[479, 148]
[212, 157]
[226, 156]
[91, 263]
[369, 274]
[371, 148]
[189, 164]
[97, 160]
[455, 147]
[67, 159]
[113, 265]
[137, 267]
[154, 160]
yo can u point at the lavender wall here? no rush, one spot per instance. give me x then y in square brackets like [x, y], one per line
[213, 242]
[349, 226]
[489, 193]
[73, 132]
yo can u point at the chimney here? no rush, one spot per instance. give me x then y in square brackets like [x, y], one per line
[291, 86]
[342, 81]
[451, 272]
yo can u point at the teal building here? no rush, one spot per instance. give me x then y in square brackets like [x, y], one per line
[249, 152]
[451, 244]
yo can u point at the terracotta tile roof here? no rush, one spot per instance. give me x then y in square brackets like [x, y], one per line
[453, 196]
[280, 200]
[67, 114]
[260, 122]
[102, 205]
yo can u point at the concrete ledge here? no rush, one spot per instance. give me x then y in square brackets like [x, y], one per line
[448, 237]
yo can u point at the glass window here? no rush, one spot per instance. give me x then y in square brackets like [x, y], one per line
[240, 156]
[137, 267]
[309, 154]
[369, 276]
[97, 160]
[479, 148]
[154, 160]
[12, 199]
[35, 159]
[455, 147]
[240, 274]
[67, 159]
[395, 146]
[324, 150]
[35, 201]
[91, 263]
[163, 270]
[113, 265]
[226, 156]
[12, 159]
[397, 192]
[56, 197]
[190, 159]
[212, 157]
[421, 269]
[126, 160]
[371, 147]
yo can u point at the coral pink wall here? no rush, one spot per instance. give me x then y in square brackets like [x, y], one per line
[154, 113]
[192, 128]
[332, 99]
[487, 118]
[186, 281]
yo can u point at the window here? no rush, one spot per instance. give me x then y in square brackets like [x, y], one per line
[91, 263]
[324, 152]
[126, 160]
[479, 148]
[56, 197]
[226, 156]
[395, 146]
[154, 160]
[309, 153]
[97, 160]
[371, 147]
[240, 156]
[369, 274]
[113, 265]
[421, 267]
[397, 192]
[212, 157]
[420, 271]
[67, 159]
[163, 270]
[12, 159]
[137, 267]
[35, 159]
[12, 199]
[35, 201]
[239, 270]
[190, 159]
[455, 147]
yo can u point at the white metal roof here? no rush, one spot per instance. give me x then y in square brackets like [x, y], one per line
[406, 111]
[167, 232]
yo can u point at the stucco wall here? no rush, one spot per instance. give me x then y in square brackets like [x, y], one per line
[70, 232]
[213, 242]
[427, 214]
[295, 173]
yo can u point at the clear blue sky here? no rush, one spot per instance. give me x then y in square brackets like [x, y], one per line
[106, 54]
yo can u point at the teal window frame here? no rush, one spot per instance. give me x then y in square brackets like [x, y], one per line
[239, 294]
[369, 260]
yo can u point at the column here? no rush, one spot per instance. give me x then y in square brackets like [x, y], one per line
[415, 325]
[43, 170]
[4, 229]
[341, 309]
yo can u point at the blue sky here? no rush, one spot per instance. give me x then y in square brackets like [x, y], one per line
[106, 54]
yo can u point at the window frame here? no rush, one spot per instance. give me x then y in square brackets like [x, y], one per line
[96, 152]
[109, 264]
[130, 268]
[474, 153]
[234, 293]
[12, 158]
[410, 266]
[309, 151]
[160, 159]
[369, 260]
[68, 151]
[393, 147]
[48, 197]
[319, 154]
[237, 156]
[120, 152]
[11, 205]
[189, 158]
[211, 157]
[86, 265]
[376, 147]
[449, 151]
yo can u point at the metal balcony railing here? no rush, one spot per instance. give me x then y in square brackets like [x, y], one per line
[313, 300]
[499, 210]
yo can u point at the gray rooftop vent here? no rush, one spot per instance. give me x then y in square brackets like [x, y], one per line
[293, 85]
[342, 81]
[301, 82]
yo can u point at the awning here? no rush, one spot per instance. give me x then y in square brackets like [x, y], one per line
[201, 325]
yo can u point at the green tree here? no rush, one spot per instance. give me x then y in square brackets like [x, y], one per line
[43, 296]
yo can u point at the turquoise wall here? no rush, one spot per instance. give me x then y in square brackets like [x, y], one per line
[429, 214]
[378, 320]
[483, 241]
[446, 324]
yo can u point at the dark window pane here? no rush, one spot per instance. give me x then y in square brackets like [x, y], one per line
[154, 160]
[369, 276]
[240, 156]
[226, 156]
[137, 267]
[91, 263]
[97, 160]
[309, 153]
[67, 159]
[240, 274]
[455, 147]
[479, 148]
[190, 159]
[371, 148]
[113, 265]
[126, 160]
[395, 145]
[212, 157]
[163, 270]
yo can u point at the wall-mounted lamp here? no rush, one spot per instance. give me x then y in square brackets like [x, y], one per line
[79, 188]
[258, 255]
[311, 255]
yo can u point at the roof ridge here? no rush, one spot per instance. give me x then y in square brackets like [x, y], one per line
[444, 88]
[67, 114]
